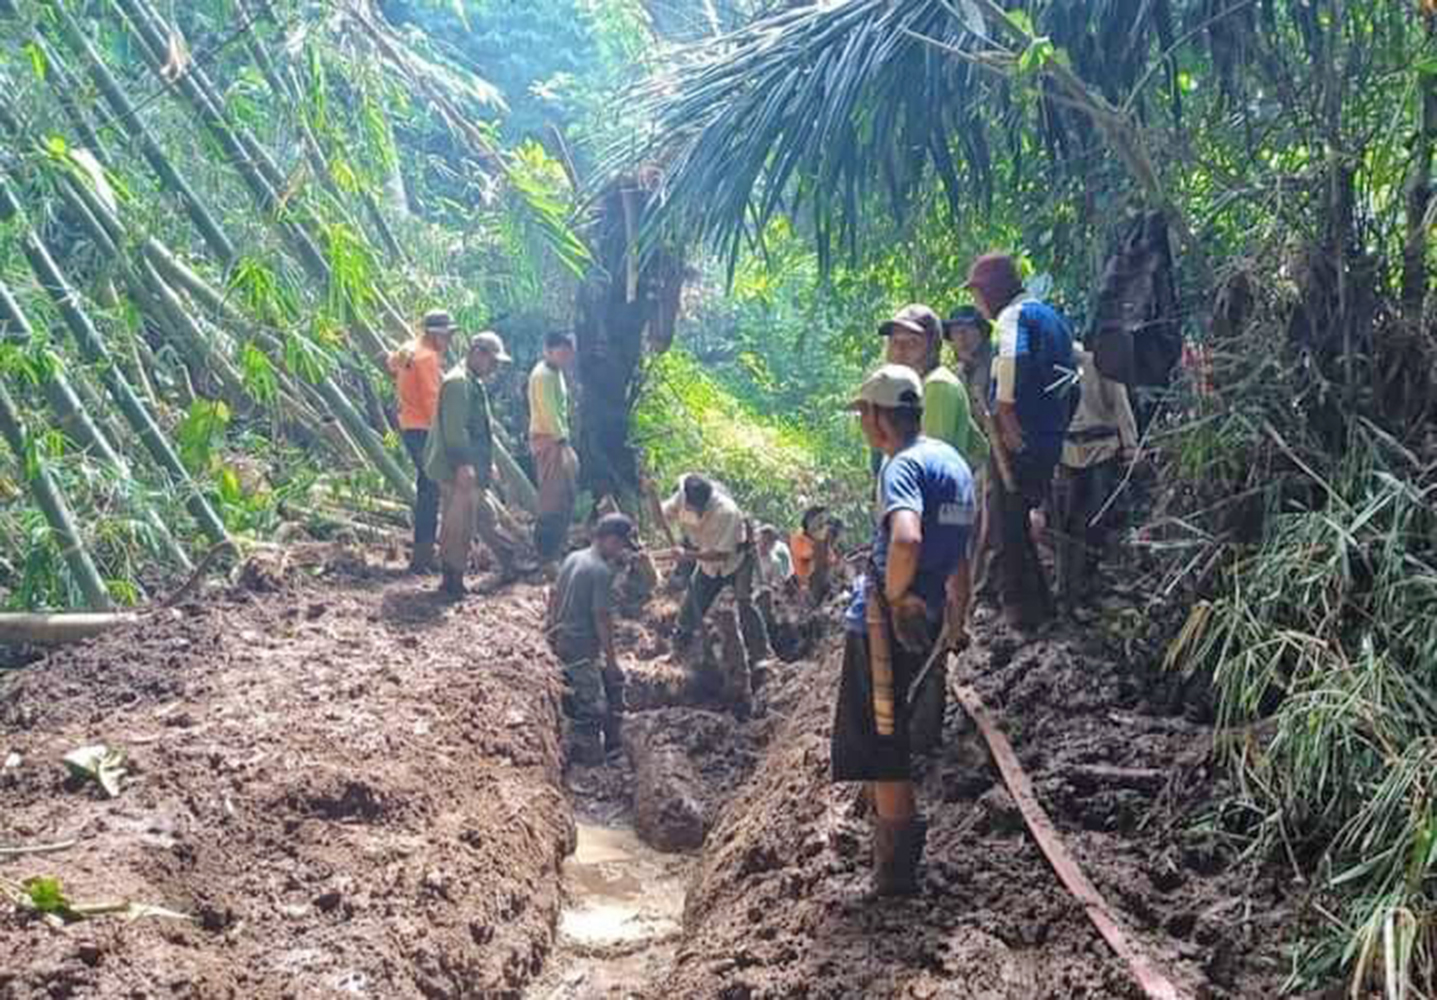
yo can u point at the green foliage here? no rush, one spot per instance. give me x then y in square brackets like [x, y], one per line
[201, 433]
[687, 421]
[46, 895]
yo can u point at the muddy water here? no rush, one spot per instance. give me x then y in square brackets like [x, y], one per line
[623, 907]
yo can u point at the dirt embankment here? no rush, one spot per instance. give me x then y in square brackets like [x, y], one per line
[354, 788]
[774, 909]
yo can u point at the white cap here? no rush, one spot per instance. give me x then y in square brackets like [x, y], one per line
[892, 387]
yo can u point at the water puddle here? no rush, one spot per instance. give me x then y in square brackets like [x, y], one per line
[623, 910]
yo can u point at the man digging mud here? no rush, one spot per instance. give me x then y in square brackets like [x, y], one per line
[580, 630]
[712, 523]
[911, 606]
[460, 458]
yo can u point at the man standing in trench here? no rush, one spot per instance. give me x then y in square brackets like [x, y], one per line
[911, 606]
[555, 462]
[581, 630]
[460, 458]
[1034, 389]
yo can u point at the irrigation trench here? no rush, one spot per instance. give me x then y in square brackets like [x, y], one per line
[356, 790]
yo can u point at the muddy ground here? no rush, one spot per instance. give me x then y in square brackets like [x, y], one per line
[776, 908]
[353, 787]
[356, 790]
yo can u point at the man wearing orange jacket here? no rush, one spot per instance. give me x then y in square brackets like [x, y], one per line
[418, 369]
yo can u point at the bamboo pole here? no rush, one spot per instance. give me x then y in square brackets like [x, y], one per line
[51, 501]
[40, 629]
[74, 418]
[192, 83]
[92, 346]
[199, 213]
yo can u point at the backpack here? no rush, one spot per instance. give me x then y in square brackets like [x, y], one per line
[1134, 334]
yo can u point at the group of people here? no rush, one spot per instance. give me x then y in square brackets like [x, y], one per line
[1045, 431]
[971, 463]
[448, 429]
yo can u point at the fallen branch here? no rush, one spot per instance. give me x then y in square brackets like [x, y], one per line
[27, 849]
[1153, 982]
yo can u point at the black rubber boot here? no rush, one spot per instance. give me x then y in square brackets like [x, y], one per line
[897, 853]
[452, 585]
[422, 561]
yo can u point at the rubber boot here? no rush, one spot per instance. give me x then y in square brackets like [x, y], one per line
[422, 561]
[897, 851]
[613, 734]
[452, 585]
[584, 744]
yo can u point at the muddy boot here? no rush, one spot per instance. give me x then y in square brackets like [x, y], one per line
[452, 585]
[613, 734]
[422, 561]
[583, 744]
[897, 852]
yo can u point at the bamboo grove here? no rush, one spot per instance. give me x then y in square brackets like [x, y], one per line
[205, 228]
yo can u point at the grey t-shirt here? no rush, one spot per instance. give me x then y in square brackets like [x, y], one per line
[583, 589]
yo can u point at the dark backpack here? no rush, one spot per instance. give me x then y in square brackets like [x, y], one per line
[1134, 334]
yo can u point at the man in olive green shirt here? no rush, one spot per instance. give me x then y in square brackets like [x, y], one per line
[915, 339]
[460, 458]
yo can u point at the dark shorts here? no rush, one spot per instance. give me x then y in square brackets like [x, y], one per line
[858, 752]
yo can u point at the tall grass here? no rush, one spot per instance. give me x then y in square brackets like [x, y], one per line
[1321, 640]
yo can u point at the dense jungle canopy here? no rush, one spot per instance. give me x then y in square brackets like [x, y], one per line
[217, 216]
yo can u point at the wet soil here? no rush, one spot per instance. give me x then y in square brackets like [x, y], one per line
[351, 787]
[777, 906]
[357, 790]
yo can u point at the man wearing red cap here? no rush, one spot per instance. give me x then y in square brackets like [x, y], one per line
[1032, 397]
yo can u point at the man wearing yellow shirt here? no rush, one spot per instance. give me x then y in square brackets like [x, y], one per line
[555, 462]
[915, 339]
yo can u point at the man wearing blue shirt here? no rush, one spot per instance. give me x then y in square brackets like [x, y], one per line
[914, 596]
[1033, 395]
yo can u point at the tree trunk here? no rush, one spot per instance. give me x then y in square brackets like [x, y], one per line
[626, 306]
[92, 346]
[51, 502]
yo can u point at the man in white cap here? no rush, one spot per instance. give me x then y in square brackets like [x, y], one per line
[914, 596]
[460, 458]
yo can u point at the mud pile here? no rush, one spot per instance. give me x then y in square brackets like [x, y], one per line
[776, 910]
[350, 786]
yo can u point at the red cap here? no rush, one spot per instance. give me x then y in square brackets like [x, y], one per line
[994, 276]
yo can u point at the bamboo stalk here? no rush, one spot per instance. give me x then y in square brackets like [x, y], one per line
[51, 501]
[74, 418]
[192, 83]
[92, 346]
[41, 629]
[199, 213]
[365, 437]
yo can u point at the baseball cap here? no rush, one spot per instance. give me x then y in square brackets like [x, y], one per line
[439, 321]
[995, 277]
[892, 387]
[965, 316]
[616, 526]
[915, 318]
[493, 343]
